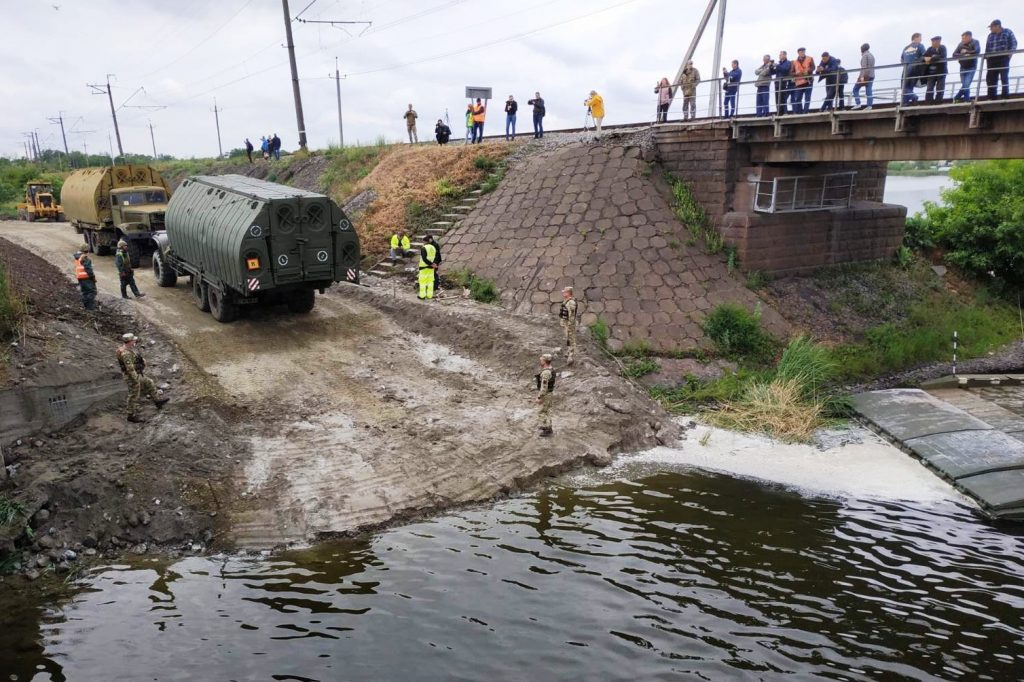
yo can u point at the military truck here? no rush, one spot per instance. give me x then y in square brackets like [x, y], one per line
[243, 241]
[39, 204]
[116, 202]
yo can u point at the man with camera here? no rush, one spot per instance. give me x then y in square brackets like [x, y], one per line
[763, 83]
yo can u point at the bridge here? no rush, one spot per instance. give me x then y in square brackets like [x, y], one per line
[793, 193]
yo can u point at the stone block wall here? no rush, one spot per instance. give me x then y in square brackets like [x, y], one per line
[592, 217]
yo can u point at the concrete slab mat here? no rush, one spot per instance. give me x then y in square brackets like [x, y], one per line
[968, 453]
[906, 413]
[1001, 491]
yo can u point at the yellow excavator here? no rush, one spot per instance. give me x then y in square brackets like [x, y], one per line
[39, 204]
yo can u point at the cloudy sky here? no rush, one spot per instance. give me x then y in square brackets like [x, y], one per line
[182, 54]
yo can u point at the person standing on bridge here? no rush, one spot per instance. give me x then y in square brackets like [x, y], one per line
[763, 83]
[133, 367]
[689, 82]
[803, 83]
[410, 117]
[935, 69]
[664, 92]
[538, 115]
[479, 114]
[511, 107]
[783, 83]
[828, 71]
[595, 104]
[125, 271]
[732, 88]
[967, 53]
[866, 78]
[545, 388]
[1000, 43]
[912, 60]
[86, 277]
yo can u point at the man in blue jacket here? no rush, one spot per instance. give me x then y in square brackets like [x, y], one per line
[827, 71]
[783, 84]
[967, 53]
[732, 88]
[912, 58]
[1000, 43]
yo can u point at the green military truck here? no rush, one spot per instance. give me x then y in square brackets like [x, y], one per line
[113, 203]
[244, 241]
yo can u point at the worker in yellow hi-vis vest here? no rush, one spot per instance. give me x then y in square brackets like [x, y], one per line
[428, 268]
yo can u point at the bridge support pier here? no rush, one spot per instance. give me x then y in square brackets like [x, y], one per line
[719, 170]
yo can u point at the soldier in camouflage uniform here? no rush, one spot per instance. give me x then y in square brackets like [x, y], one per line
[545, 386]
[567, 314]
[132, 367]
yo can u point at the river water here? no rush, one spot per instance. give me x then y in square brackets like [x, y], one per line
[714, 560]
[912, 191]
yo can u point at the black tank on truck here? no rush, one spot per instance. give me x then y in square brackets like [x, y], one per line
[243, 241]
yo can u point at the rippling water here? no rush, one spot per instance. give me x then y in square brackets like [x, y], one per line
[672, 575]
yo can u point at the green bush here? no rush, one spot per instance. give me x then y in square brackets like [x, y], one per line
[918, 234]
[484, 163]
[445, 188]
[636, 348]
[12, 307]
[11, 511]
[737, 333]
[599, 330]
[757, 280]
[483, 290]
[640, 366]
[904, 257]
[811, 366]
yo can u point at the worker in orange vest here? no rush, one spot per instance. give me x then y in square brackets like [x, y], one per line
[479, 113]
[86, 277]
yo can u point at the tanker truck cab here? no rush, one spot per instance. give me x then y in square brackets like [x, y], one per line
[244, 241]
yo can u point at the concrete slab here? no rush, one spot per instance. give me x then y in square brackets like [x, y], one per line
[1001, 491]
[968, 453]
[906, 413]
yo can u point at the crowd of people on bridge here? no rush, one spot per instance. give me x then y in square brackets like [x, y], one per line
[794, 79]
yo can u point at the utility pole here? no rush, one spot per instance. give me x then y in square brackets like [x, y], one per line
[110, 143]
[63, 135]
[105, 90]
[27, 155]
[694, 43]
[295, 75]
[337, 79]
[39, 150]
[152, 139]
[216, 118]
[30, 145]
[716, 92]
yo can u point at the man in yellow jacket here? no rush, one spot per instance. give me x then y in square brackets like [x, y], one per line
[428, 268]
[596, 106]
[399, 246]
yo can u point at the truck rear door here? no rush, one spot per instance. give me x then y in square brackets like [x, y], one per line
[285, 247]
[316, 231]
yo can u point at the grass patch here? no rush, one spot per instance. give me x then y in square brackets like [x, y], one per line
[12, 307]
[757, 280]
[600, 331]
[480, 289]
[445, 188]
[690, 214]
[636, 348]
[11, 511]
[484, 163]
[637, 367]
[737, 334]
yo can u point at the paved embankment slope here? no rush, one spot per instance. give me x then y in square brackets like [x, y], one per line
[982, 457]
[592, 216]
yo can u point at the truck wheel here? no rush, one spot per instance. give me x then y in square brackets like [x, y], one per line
[302, 301]
[134, 254]
[221, 308]
[165, 276]
[22, 214]
[60, 217]
[31, 217]
[200, 294]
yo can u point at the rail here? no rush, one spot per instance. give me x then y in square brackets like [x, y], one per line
[891, 86]
[799, 193]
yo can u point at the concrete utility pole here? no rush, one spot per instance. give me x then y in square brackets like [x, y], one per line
[105, 90]
[337, 80]
[39, 150]
[694, 43]
[63, 135]
[151, 138]
[216, 119]
[110, 144]
[716, 92]
[295, 75]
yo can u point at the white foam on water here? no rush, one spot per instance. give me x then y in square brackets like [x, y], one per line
[850, 463]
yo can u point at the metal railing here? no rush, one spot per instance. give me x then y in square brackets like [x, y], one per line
[796, 194]
[891, 87]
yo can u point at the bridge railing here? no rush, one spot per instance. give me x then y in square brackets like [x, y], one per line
[892, 86]
[795, 194]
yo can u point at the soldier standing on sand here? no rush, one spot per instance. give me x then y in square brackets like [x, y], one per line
[545, 387]
[125, 270]
[86, 277]
[569, 320]
[132, 367]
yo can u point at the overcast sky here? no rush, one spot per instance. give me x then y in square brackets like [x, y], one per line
[186, 52]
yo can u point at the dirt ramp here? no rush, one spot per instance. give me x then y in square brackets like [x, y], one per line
[592, 216]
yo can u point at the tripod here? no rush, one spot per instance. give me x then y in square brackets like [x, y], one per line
[588, 121]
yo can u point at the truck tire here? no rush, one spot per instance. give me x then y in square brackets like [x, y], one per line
[134, 253]
[22, 214]
[222, 309]
[200, 293]
[30, 216]
[165, 276]
[302, 301]
[60, 217]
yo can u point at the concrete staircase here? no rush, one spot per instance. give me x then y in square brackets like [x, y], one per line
[449, 221]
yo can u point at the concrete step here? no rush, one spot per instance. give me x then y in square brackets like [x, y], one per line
[477, 192]
[435, 231]
[463, 208]
[457, 216]
[471, 199]
[380, 273]
[443, 223]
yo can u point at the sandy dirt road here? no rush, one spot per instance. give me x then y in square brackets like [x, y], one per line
[375, 406]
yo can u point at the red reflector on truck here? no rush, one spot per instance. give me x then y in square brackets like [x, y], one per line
[252, 263]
